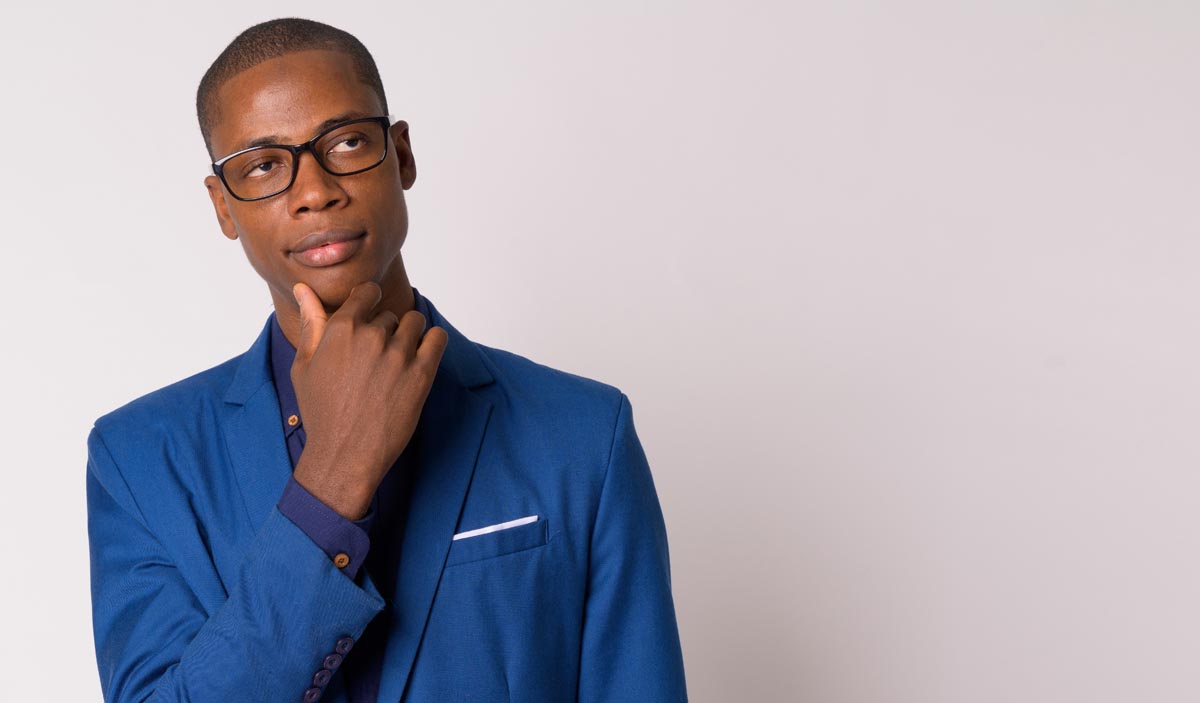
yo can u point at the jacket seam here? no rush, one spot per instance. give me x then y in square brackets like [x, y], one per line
[139, 515]
[608, 463]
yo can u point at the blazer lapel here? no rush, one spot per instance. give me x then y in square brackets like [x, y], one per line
[253, 433]
[451, 428]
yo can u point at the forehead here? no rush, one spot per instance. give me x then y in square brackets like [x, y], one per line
[288, 97]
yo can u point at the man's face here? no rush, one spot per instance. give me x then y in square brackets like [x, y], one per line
[289, 97]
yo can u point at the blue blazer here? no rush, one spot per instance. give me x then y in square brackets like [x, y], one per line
[203, 591]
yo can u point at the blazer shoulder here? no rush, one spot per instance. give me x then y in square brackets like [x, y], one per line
[569, 415]
[548, 387]
[184, 406]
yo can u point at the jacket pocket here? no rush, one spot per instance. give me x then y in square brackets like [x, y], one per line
[493, 544]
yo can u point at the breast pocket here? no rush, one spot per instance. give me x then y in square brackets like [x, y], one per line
[498, 540]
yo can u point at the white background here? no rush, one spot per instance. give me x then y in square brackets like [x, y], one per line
[904, 296]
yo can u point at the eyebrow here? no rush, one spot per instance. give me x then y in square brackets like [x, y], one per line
[276, 139]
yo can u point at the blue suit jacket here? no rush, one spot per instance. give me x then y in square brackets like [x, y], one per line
[203, 591]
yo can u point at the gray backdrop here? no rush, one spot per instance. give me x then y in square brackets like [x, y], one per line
[903, 295]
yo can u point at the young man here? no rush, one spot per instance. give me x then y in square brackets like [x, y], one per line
[365, 505]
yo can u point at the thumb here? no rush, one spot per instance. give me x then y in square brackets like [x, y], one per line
[312, 318]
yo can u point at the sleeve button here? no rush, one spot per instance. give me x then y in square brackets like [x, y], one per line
[343, 645]
[341, 560]
[321, 678]
[333, 661]
[311, 695]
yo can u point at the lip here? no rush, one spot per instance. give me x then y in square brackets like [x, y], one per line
[329, 247]
[329, 236]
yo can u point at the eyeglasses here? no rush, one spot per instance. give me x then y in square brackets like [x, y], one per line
[344, 149]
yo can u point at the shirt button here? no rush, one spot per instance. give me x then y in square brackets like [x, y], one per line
[293, 420]
[341, 560]
[321, 678]
[333, 661]
[311, 695]
[343, 645]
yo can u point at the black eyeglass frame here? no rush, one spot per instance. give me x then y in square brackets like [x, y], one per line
[384, 121]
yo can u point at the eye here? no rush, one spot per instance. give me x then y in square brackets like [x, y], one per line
[348, 142]
[260, 168]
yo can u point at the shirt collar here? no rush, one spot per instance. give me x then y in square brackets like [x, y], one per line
[282, 354]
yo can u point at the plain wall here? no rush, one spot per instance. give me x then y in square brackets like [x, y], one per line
[904, 296]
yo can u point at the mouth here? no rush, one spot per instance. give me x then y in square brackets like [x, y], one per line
[327, 248]
[332, 235]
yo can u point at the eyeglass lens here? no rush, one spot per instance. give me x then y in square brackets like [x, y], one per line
[267, 171]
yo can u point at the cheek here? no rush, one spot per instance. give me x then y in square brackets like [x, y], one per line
[397, 207]
[385, 201]
[264, 256]
[261, 261]
[255, 231]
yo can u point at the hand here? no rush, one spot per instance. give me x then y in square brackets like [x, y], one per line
[361, 380]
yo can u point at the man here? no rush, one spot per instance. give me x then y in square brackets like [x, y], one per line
[365, 505]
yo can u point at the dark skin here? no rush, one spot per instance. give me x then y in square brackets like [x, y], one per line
[364, 365]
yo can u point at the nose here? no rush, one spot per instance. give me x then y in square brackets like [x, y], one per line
[314, 188]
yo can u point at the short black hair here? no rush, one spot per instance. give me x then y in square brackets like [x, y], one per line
[271, 39]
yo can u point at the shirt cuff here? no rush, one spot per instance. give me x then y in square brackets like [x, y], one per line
[366, 520]
[326, 528]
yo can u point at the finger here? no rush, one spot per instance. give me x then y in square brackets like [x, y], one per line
[433, 345]
[387, 320]
[312, 318]
[408, 334]
[361, 302]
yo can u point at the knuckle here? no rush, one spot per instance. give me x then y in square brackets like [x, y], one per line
[378, 333]
[402, 357]
[371, 289]
[340, 324]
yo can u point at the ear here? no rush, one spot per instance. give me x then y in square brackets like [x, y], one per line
[404, 155]
[216, 193]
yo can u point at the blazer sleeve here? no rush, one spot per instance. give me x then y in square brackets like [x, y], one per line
[286, 612]
[630, 646]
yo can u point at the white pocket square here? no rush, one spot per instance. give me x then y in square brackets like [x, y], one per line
[498, 526]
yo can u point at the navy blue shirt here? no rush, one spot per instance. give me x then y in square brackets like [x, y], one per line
[343, 538]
